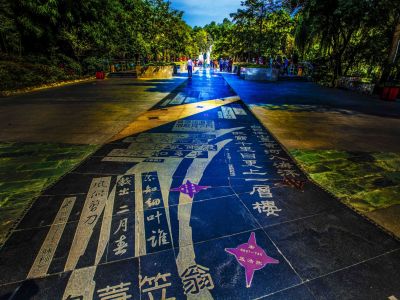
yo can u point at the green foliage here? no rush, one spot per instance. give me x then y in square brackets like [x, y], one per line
[342, 37]
[94, 28]
[259, 28]
[345, 37]
[15, 75]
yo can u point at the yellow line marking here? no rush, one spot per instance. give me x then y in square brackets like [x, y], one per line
[166, 115]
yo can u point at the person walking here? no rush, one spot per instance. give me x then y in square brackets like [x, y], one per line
[190, 67]
[286, 66]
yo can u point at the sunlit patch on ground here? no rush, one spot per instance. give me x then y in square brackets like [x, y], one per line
[303, 108]
[28, 168]
[367, 181]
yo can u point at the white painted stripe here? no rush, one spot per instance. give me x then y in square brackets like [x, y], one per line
[98, 194]
[49, 246]
[81, 284]
[228, 112]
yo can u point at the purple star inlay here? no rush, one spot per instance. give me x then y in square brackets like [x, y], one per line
[251, 257]
[190, 189]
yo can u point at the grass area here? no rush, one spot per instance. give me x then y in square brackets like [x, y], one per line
[365, 181]
[21, 72]
[28, 168]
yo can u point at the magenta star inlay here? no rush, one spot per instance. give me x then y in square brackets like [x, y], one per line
[190, 189]
[251, 257]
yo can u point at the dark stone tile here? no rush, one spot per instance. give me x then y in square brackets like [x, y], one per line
[213, 218]
[120, 278]
[113, 274]
[284, 204]
[74, 183]
[160, 265]
[45, 208]
[19, 253]
[228, 276]
[106, 149]
[95, 165]
[211, 188]
[299, 292]
[50, 287]
[374, 279]
[325, 243]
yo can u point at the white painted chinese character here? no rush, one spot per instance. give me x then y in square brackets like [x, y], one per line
[124, 181]
[268, 207]
[263, 191]
[254, 172]
[251, 163]
[248, 155]
[241, 138]
[270, 145]
[273, 157]
[151, 284]
[149, 190]
[195, 279]
[123, 192]
[156, 216]
[116, 292]
[246, 149]
[148, 178]
[152, 202]
[283, 165]
[121, 246]
[243, 144]
[123, 209]
[285, 173]
[159, 238]
[178, 153]
[123, 225]
[274, 151]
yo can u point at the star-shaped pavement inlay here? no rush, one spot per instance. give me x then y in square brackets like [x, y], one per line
[189, 188]
[250, 256]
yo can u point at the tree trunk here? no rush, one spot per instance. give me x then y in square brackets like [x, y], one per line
[260, 38]
[393, 51]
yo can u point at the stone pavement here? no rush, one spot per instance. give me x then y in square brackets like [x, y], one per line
[85, 113]
[209, 205]
[347, 142]
[44, 134]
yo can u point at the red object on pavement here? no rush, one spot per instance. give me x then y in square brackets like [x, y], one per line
[390, 93]
[100, 75]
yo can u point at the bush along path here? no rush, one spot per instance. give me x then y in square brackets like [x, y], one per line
[207, 206]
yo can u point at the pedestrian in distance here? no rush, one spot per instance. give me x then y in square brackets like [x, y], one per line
[190, 67]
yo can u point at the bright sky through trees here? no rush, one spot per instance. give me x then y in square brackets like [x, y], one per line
[202, 12]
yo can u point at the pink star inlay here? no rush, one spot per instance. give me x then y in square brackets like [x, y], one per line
[251, 257]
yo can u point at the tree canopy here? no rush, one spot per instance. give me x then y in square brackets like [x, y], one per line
[346, 37]
[94, 28]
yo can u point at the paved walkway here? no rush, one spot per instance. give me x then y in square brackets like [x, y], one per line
[44, 134]
[206, 206]
[85, 113]
[304, 115]
[347, 142]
